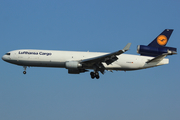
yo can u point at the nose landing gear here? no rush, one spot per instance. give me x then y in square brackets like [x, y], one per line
[24, 72]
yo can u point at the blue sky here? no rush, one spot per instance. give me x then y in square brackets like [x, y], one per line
[103, 26]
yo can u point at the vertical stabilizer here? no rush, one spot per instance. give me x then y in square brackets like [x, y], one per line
[162, 39]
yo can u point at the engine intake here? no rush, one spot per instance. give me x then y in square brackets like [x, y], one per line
[72, 65]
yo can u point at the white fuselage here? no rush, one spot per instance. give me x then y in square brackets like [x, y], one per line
[52, 58]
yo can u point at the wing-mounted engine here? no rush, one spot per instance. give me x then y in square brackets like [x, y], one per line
[74, 67]
[155, 51]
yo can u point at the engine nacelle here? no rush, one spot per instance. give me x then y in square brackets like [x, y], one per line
[76, 71]
[72, 65]
[154, 51]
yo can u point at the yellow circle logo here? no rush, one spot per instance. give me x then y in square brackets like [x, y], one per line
[162, 40]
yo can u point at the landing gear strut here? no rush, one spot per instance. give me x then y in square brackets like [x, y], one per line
[24, 72]
[94, 75]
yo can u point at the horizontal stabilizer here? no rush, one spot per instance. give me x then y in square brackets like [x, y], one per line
[161, 57]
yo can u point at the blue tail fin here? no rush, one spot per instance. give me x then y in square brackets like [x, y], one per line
[162, 39]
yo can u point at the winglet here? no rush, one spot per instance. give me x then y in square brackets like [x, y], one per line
[127, 47]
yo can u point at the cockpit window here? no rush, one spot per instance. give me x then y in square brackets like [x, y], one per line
[8, 53]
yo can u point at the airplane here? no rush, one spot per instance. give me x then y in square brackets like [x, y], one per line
[79, 62]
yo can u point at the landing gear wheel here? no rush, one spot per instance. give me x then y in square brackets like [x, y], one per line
[97, 75]
[24, 72]
[92, 75]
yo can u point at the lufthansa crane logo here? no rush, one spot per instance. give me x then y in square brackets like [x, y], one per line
[162, 40]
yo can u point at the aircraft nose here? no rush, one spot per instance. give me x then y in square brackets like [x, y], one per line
[4, 58]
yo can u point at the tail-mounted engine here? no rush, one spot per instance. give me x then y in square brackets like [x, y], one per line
[155, 51]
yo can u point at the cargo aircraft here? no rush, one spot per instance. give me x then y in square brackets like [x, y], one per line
[79, 62]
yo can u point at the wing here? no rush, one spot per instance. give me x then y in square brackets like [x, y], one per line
[108, 59]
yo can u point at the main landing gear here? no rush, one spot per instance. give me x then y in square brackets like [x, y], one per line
[94, 75]
[24, 72]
